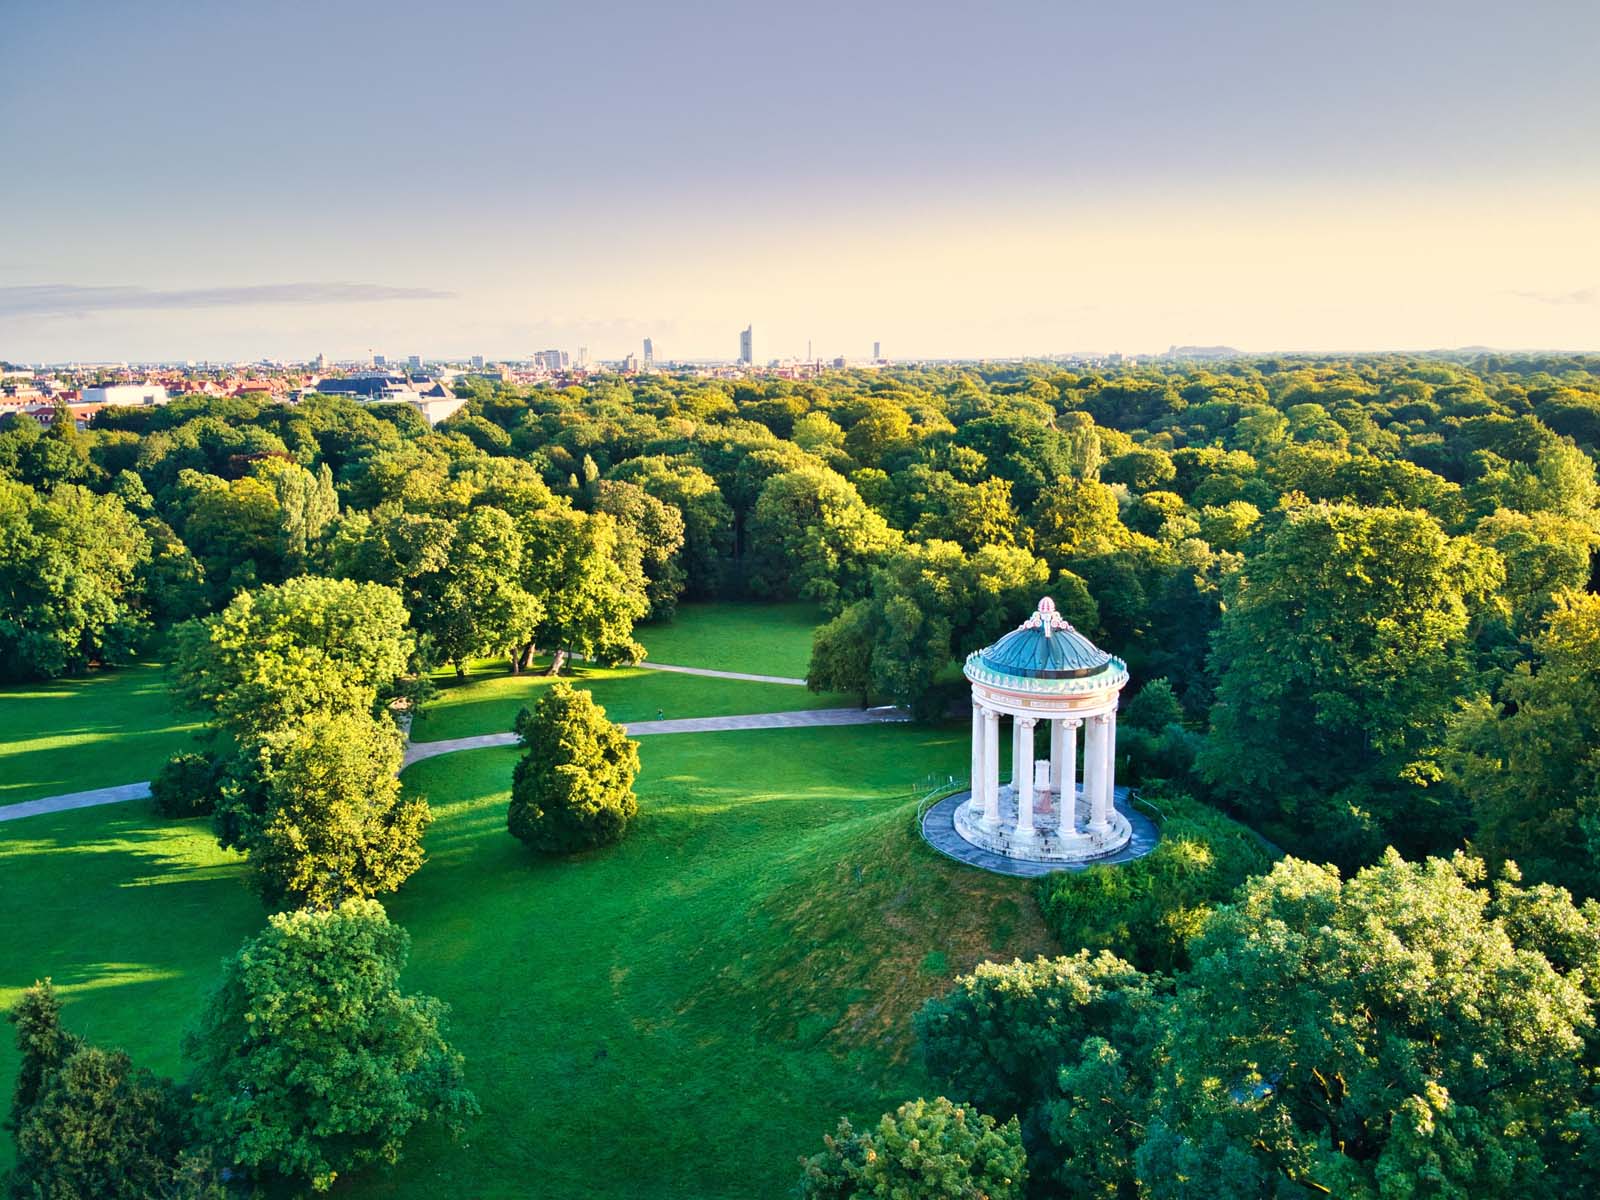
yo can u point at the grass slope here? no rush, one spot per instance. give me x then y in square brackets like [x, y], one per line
[762, 639]
[678, 1016]
[69, 735]
[488, 699]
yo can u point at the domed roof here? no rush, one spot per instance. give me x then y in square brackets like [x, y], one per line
[1049, 654]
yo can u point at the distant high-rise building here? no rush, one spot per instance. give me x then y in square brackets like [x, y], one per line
[477, 362]
[630, 364]
[877, 351]
[414, 362]
[583, 356]
[649, 354]
[322, 362]
[380, 360]
[551, 360]
[747, 352]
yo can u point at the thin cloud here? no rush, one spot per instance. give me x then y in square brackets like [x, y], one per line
[66, 299]
[1586, 295]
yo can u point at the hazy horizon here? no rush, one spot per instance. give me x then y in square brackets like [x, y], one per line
[195, 183]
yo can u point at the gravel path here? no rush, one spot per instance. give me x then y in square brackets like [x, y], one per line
[707, 671]
[417, 751]
[805, 718]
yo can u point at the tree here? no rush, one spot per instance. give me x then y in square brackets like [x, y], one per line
[811, 536]
[924, 1150]
[1077, 518]
[69, 563]
[281, 653]
[472, 600]
[320, 814]
[571, 567]
[573, 789]
[188, 785]
[649, 538]
[1404, 1033]
[999, 1036]
[1338, 660]
[309, 1062]
[1530, 765]
[87, 1122]
[707, 520]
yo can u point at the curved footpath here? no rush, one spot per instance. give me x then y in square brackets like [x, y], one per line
[417, 751]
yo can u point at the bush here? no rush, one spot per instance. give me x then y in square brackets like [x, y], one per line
[1148, 909]
[309, 1061]
[924, 1150]
[189, 785]
[573, 790]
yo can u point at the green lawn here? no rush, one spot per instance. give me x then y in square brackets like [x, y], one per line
[488, 699]
[679, 1016]
[73, 734]
[762, 639]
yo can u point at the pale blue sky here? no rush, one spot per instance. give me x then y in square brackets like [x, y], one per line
[203, 180]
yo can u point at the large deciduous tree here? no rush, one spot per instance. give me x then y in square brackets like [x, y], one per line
[310, 1062]
[69, 563]
[1339, 659]
[811, 536]
[590, 604]
[320, 812]
[281, 653]
[1530, 766]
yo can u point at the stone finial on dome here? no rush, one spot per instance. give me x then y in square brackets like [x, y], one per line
[1046, 618]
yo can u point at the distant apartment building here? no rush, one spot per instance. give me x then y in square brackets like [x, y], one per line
[435, 403]
[877, 351]
[551, 360]
[649, 354]
[119, 394]
[380, 360]
[414, 361]
[747, 350]
[630, 364]
[583, 356]
[477, 362]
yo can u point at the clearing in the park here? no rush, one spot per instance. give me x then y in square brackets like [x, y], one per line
[668, 1017]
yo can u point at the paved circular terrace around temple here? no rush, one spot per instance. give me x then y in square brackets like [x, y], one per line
[939, 831]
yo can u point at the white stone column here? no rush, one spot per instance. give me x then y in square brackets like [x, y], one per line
[1019, 766]
[1024, 777]
[991, 768]
[976, 777]
[1058, 732]
[1069, 775]
[1098, 754]
[1111, 762]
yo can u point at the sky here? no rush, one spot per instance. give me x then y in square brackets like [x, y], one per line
[238, 181]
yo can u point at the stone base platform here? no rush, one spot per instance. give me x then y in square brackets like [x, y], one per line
[1047, 842]
[942, 829]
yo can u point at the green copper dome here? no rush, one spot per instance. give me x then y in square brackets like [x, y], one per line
[1045, 652]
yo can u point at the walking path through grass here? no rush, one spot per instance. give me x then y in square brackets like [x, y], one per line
[805, 718]
[710, 674]
[417, 751]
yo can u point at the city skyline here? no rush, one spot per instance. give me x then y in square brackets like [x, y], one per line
[1074, 180]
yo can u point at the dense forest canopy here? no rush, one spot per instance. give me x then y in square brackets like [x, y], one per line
[1358, 577]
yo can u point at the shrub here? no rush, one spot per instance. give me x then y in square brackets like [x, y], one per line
[926, 1150]
[309, 1061]
[1148, 909]
[189, 785]
[574, 788]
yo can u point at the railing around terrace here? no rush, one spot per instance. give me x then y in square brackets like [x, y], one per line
[934, 788]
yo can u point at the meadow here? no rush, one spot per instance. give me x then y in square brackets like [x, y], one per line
[680, 1015]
